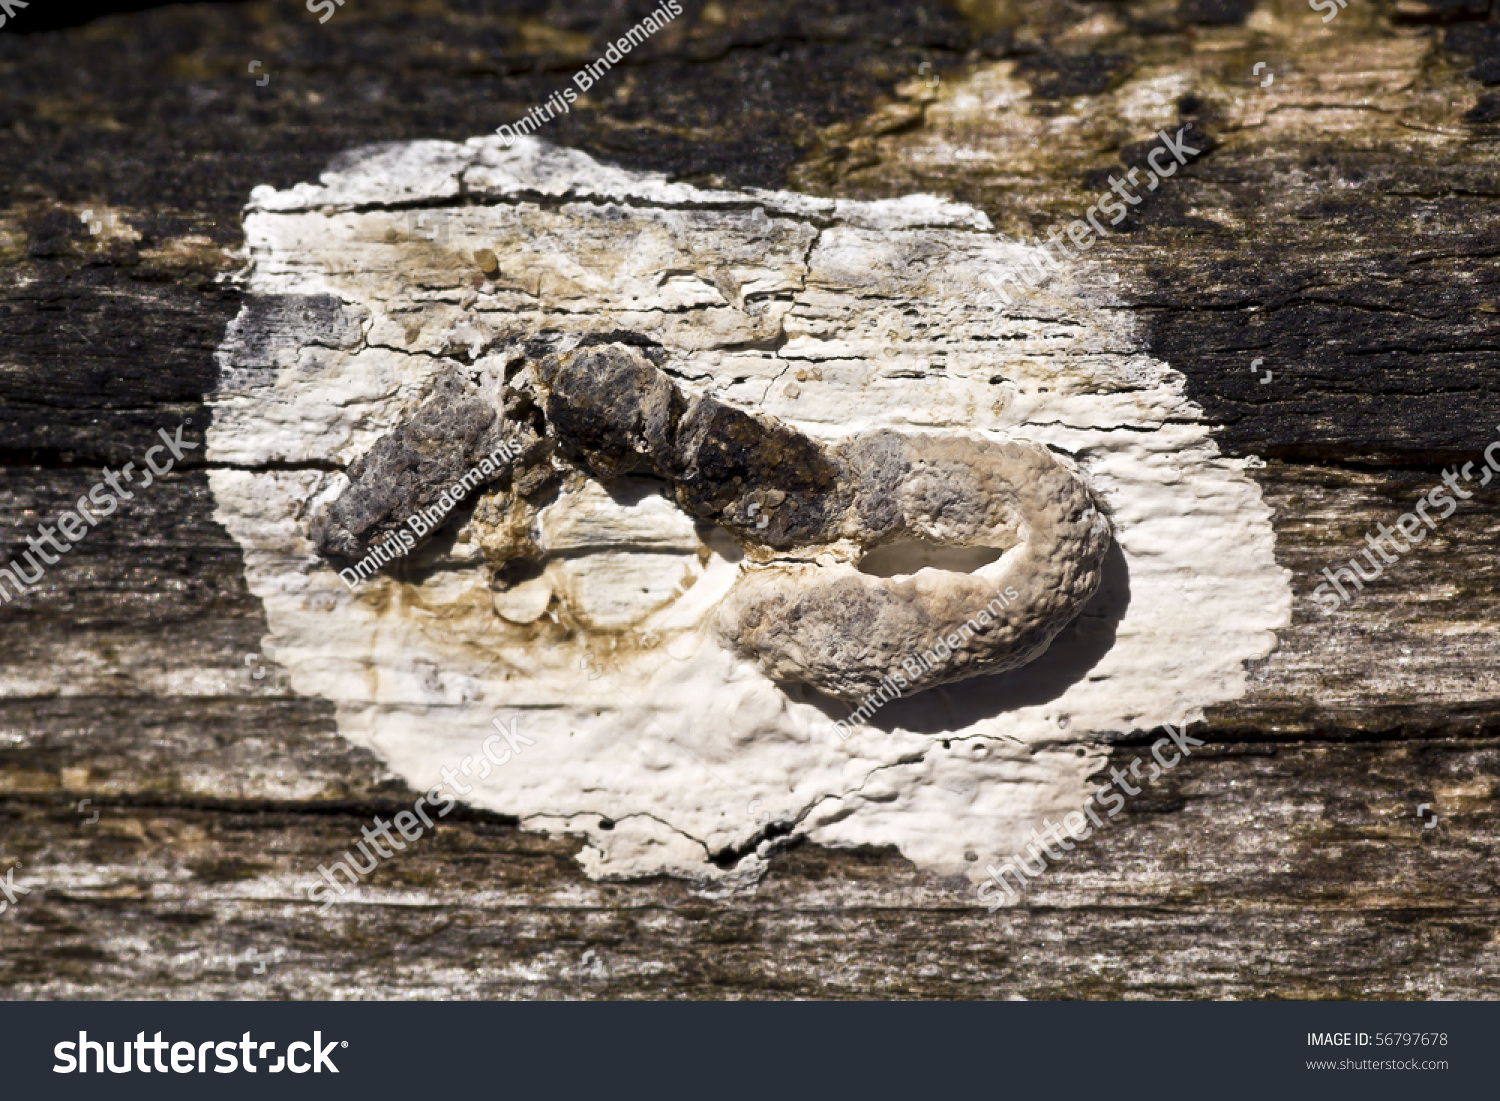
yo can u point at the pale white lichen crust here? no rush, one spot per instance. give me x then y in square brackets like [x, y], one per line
[836, 316]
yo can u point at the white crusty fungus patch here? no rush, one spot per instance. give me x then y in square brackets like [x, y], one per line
[662, 748]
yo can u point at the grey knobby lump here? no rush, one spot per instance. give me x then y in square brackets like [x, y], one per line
[450, 433]
[844, 631]
[622, 414]
[806, 512]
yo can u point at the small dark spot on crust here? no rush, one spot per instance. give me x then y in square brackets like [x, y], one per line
[1215, 13]
[1486, 111]
[1440, 11]
[517, 571]
[1053, 76]
[1481, 41]
[995, 46]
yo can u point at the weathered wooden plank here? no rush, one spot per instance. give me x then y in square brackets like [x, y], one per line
[1353, 250]
[1294, 868]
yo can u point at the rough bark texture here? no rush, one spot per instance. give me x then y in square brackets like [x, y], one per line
[1340, 224]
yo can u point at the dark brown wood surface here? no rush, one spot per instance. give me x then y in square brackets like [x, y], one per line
[1348, 235]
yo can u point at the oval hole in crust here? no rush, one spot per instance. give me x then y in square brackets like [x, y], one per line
[910, 555]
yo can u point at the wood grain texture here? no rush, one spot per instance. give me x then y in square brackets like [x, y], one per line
[1346, 231]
